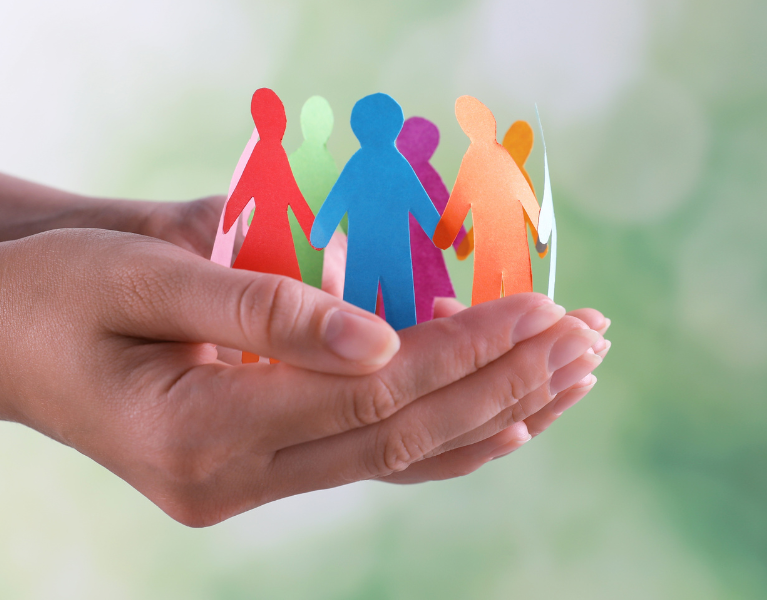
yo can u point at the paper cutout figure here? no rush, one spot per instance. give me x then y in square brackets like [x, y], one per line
[315, 172]
[518, 142]
[378, 189]
[417, 142]
[490, 183]
[267, 178]
[547, 224]
[223, 245]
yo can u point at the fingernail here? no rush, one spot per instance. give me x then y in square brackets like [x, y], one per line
[572, 397]
[521, 437]
[571, 346]
[357, 338]
[606, 349]
[537, 320]
[573, 372]
[600, 345]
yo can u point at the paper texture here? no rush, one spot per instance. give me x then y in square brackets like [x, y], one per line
[378, 190]
[490, 183]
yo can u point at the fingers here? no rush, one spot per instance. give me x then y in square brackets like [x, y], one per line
[464, 460]
[541, 420]
[413, 432]
[447, 307]
[433, 355]
[593, 318]
[155, 291]
[598, 322]
[530, 404]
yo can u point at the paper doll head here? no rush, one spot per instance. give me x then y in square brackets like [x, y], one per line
[519, 141]
[268, 114]
[377, 119]
[475, 119]
[316, 120]
[418, 139]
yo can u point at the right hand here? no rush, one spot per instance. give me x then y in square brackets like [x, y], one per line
[109, 337]
[509, 430]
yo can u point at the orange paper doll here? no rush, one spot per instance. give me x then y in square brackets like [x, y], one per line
[267, 178]
[518, 142]
[491, 184]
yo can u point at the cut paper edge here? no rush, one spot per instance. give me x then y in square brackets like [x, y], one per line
[466, 247]
[547, 225]
[223, 245]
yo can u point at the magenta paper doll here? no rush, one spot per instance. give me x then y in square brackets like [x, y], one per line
[417, 142]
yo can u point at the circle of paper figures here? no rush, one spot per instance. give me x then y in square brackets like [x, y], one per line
[398, 209]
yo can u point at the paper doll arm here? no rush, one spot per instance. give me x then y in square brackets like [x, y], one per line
[466, 247]
[423, 209]
[452, 219]
[301, 210]
[240, 196]
[460, 238]
[440, 198]
[530, 206]
[330, 214]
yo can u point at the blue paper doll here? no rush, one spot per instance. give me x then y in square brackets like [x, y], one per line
[378, 190]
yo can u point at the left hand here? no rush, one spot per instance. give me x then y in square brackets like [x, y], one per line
[190, 225]
[28, 208]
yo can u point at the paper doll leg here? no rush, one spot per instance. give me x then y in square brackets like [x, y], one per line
[516, 283]
[249, 358]
[360, 285]
[518, 280]
[399, 297]
[487, 284]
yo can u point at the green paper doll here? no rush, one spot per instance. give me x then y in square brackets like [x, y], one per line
[315, 172]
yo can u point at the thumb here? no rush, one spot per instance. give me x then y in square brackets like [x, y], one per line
[164, 293]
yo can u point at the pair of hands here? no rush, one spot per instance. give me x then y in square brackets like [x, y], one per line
[113, 351]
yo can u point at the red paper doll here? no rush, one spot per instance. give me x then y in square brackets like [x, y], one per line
[267, 179]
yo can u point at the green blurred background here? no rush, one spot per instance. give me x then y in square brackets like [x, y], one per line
[655, 486]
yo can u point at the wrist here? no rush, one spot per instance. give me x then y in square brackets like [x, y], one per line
[28, 208]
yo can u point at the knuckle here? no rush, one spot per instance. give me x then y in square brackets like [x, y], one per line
[268, 305]
[249, 304]
[471, 351]
[287, 307]
[519, 412]
[468, 348]
[398, 449]
[505, 392]
[373, 402]
[478, 352]
[515, 389]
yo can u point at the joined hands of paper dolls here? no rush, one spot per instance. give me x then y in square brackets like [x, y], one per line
[140, 376]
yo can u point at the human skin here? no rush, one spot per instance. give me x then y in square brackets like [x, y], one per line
[512, 428]
[112, 353]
